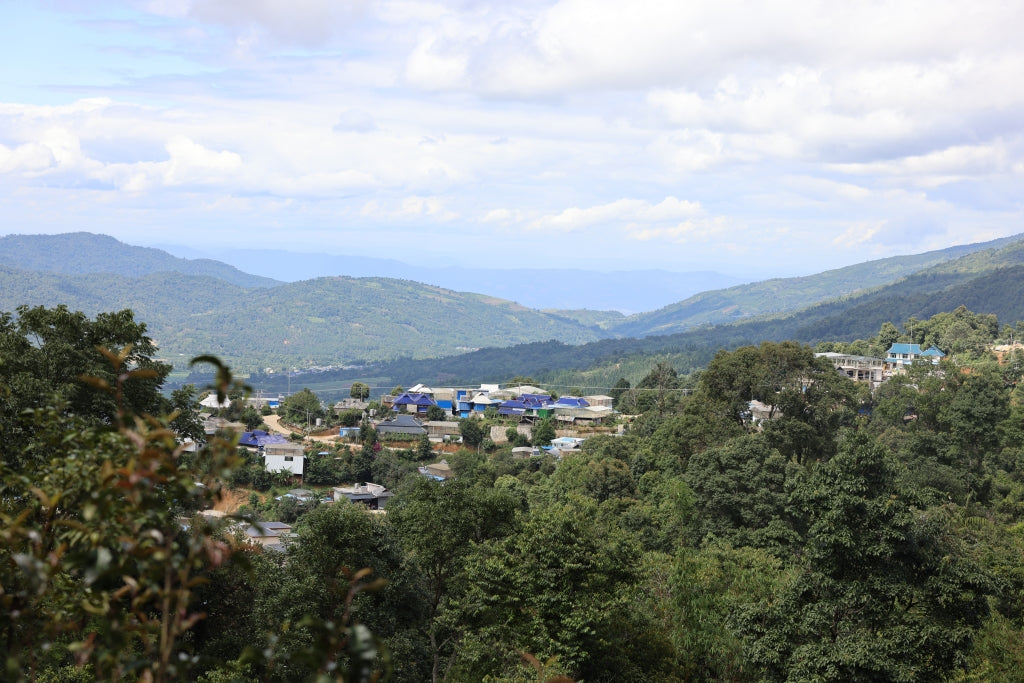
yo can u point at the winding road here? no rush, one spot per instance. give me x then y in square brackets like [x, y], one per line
[274, 422]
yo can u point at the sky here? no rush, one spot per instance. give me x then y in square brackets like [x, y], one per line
[778, 137]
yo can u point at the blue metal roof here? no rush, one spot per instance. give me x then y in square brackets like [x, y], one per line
[905, 348]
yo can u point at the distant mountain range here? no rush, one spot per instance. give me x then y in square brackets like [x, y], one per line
[80, 253]
[316, 322]
[990, 281]
[630, 291]
[202, 306]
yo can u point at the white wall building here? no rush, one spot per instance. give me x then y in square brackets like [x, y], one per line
[286, 457]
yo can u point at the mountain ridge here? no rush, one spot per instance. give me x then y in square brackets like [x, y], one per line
[778, 295]
[80, 253]
[343, 319]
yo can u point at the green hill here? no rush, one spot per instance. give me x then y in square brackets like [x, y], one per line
[316, 322]
[782, 295]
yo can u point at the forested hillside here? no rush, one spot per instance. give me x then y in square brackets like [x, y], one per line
[597, 365]
[335, 321]
[790, 294]
[314, 322]
[834, 535]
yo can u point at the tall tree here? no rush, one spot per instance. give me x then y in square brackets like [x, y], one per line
[359, 391]
[438, 526]
[58, 357]
[883, 591]
[562, 588]
[543, 432]
[472, 432]
[302, 407]
[742, 495]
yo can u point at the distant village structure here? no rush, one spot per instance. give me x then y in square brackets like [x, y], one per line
[858, 368]
[901, 355]
[874, 371]
[406, 415]
[525, 403]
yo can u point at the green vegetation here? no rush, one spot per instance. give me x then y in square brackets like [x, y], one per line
[195, 307]
[832, 535]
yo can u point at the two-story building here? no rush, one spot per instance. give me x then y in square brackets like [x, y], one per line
[900, 355]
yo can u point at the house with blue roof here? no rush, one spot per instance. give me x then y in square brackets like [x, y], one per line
[527, 407]
[412, 402]
[260, 439]
[901, 355]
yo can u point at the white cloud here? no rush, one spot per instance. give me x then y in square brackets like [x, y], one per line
[939, 166]
[788, 129]
[407, 209]
[355, 121]
[858, 233]
[431, 67]
[686, 232]
[29, 158]
[625, 212]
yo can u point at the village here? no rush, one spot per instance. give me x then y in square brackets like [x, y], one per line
[444, 417]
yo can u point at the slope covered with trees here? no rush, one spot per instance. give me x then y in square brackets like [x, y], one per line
[315, 322]
[597, 365]
[783, 295]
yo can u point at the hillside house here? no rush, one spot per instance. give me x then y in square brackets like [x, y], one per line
[600, 401]
[442, 430]
[445, 400]
[284, 457]
[270, 535]
[350, 404]
[439, 471]
[476, 403]
[578, 410]
[373, 496]
[412, 402]
[901, 355]
[858, 368]
[260, 439]
[568, 443]
[401, 424]
[527, 407]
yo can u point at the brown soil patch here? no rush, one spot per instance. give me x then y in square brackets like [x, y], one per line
[232, 500]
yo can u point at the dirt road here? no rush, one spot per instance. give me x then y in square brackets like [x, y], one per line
[274, 422]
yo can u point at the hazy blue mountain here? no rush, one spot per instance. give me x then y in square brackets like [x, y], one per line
[77, 253]
[628, 291]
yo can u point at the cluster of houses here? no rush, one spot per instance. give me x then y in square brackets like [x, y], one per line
[526, 403]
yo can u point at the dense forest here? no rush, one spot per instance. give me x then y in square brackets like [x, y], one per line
[835, 535]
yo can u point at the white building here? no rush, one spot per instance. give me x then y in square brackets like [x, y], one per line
[287, 457]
